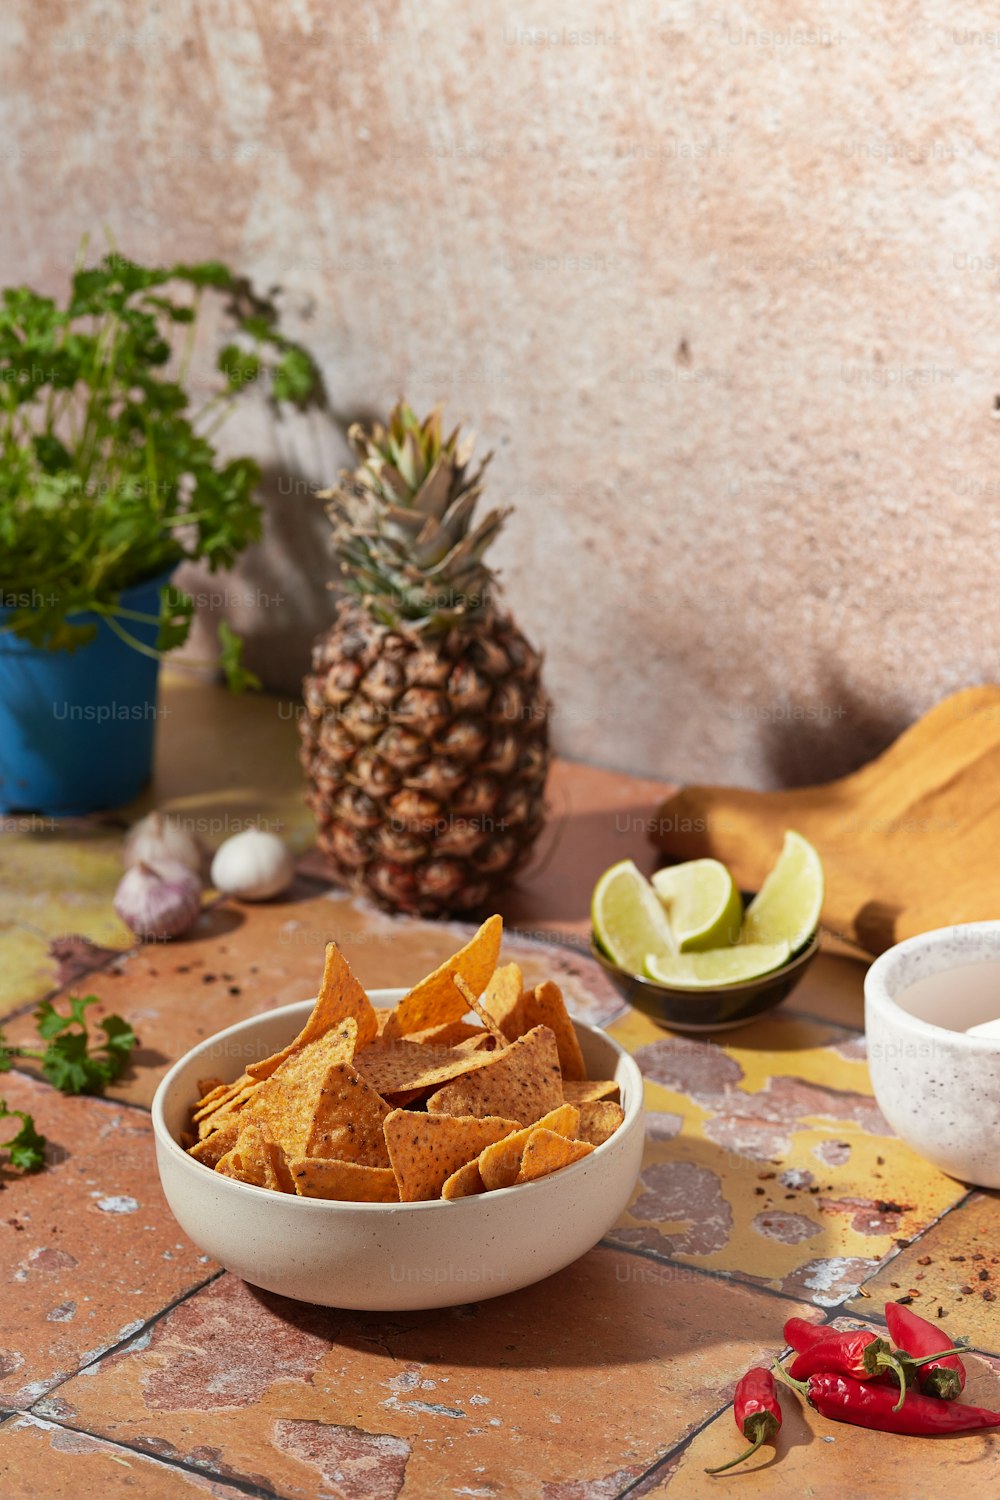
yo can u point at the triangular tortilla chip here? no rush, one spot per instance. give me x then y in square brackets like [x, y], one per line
[286, 1102]
[220, 1097]
[207, 1087]
[435, 999]
[449, 1035]
[474, 1005]
[464, 1183]
[522, 1082]
[395, 1067]
[545, 1006]
[340, 997]
[499, 1164]
[426, 1149]
[213, 1148]
[599, 1119]
[344, 1181]
[259, 1160]
[546, 1152]
[502, 998]
[229, 1109]
[347, 1120]
[579, 1091]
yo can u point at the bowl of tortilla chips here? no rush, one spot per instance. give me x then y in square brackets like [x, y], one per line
[404, 1149]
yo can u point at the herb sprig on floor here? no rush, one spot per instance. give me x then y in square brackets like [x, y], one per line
[70, 1060]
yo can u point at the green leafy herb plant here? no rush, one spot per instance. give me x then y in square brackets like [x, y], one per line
[108, 476]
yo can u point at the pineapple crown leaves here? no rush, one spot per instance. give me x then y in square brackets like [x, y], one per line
[403, 523]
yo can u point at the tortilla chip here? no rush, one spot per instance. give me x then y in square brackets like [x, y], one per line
[213, 1147]
[451, 1034]
[209, 1086]
[546, 1152]
[405, 1098]
[395, 1067]
[286, 1102]
[502, 998]
[259, 1160]
[344, 1181]
[466, 1182]
[522, 1082]
[435, 999]
[545, 1006]
[340, 997]
[347, 1120]
[219, 1097]
[230, 1107]
[583, 1090]
[499, 1164]
[599, 1119]
[473, 1004]
[426, 1149]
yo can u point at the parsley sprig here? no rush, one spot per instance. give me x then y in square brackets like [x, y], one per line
[71, 1060]
[26, 1149]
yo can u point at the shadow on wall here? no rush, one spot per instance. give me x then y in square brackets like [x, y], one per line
[847, 731]
[287, 579]
[277, 597]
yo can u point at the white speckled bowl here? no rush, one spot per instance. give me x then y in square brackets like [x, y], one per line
[381, 1257]
[938, 1088]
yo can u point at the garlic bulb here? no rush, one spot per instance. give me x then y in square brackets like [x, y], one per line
[157, 838]
[252, 865]
[160, 901]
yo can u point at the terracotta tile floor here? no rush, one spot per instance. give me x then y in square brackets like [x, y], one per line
[770, 1184]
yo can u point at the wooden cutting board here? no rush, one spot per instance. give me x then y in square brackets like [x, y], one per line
[910, 842]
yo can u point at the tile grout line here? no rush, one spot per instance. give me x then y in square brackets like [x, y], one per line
[123, 1343]
[180, 1465]
[729, 1278]
[678, 1448]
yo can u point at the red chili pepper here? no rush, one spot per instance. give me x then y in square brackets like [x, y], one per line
[800, 1335]
[944, 1377]
[865, 1405]
[860, 1354]
[757, 1412]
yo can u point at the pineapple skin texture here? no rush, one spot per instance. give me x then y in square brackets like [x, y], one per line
[425, 758]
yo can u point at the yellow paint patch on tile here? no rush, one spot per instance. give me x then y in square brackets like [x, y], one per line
[783, 1170]
[60, 878]
[27, 970]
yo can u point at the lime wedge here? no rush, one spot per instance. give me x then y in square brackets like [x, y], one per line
[721, 966]
[788, 904]
[703, 904]
[629, 921]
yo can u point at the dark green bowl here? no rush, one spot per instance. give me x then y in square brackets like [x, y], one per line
[709, 1010]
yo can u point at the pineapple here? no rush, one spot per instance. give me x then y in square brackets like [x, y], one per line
[425, 732]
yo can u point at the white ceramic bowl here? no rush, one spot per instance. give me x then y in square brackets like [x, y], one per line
[938, 1088]
[387, 1256]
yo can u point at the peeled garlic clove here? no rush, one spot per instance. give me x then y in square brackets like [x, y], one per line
[252, 865]
[159, 837]
[159, 901]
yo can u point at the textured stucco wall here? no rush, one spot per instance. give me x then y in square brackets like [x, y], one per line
[720, 286]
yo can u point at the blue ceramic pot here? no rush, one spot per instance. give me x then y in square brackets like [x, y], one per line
[77, 727]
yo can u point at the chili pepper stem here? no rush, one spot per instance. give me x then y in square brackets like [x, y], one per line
[802, 1386]
[928, 1359]
[889, 1362]
[758, 1440]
